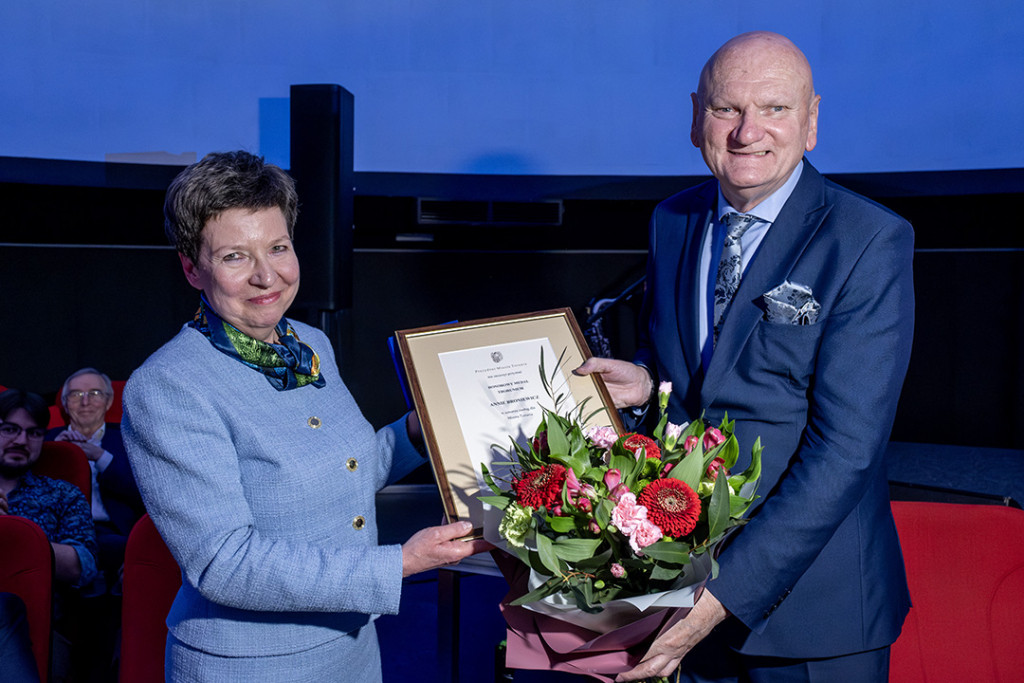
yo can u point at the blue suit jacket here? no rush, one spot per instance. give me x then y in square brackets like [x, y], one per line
[117, 486]
[817, 571]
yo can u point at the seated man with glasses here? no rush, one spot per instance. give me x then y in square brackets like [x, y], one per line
[116, 504]
[58, 507]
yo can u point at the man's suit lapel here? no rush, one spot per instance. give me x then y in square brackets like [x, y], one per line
[781, 248]
[688, 279]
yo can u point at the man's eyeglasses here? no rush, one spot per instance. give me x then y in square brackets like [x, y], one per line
[92, 394]
[10, 430]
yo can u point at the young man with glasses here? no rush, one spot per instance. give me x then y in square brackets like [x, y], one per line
[58, 507]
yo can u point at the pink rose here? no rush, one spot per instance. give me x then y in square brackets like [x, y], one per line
[618, 571]
[645, 533]
[690, 443]
[712, 437]
[602, 437]
[627, 515]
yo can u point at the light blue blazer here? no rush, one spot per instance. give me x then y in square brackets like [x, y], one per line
[264, 497]
[817, 572]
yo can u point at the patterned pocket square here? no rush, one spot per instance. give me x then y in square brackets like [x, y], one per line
[791, 304]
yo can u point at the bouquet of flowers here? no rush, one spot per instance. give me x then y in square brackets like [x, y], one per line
[602, 519]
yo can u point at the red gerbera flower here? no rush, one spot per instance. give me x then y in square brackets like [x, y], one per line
[672, 505]
[634, 442]
[540, 488]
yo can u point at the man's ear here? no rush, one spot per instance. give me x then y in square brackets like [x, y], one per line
[812, 124]
[191, 271]
[694, 126]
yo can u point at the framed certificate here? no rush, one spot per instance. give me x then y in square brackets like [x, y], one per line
[478, 385]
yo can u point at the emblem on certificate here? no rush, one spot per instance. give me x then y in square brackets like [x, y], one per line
[477, 385]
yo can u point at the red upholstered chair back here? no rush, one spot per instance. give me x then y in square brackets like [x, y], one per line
[151, 580]
[26, 570]
[58, 418]
[965, 567]
[65, 460]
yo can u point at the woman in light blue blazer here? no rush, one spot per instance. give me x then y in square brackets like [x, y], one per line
[254, 460]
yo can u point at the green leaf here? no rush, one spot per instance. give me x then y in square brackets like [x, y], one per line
[584, 594]
[549, 587]
[591, 564]
[488, 479]
[747, 481]
[729, 452]
[665, 573]
[690, 469]
[500, 502]
[718, 509]
[562, 525]
[547, 554]
[672, 552]
[557, 440]
[576, 549]
[603, 513]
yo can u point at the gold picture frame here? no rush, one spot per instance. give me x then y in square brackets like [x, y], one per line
[471, 380]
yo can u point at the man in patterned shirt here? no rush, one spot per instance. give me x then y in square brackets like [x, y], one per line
[58, 507]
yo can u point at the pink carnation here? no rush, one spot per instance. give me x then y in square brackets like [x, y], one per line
[618, 571]
[645, 533]
[627, 515]
[602, 437]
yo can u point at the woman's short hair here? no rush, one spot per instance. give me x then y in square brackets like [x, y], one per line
[33, 404]
[218, 182]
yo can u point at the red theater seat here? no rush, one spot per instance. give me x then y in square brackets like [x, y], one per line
[965, 567]
[26, 570]
[151, 580]
[64, 460]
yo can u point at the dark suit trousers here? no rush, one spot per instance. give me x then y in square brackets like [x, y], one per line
[713, 660]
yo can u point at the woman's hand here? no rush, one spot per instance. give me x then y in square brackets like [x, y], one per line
[628, 383]
[438, 546]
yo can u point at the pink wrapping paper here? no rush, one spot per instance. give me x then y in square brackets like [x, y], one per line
[537, 641]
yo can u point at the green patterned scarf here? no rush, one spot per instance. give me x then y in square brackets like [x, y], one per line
[289, 364]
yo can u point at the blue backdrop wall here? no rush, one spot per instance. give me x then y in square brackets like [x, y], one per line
[554, 87]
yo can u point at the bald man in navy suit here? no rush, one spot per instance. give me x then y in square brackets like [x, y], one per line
[809, 354]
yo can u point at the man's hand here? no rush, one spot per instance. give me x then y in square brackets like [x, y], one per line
[628, 383]
[438, 546]
[665, 653]
[92, 451]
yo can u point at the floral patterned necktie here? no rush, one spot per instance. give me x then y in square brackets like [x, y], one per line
[730, 267]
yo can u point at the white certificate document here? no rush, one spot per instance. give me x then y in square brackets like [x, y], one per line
[498, 395]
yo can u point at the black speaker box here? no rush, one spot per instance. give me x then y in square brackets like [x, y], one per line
[321, 164]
